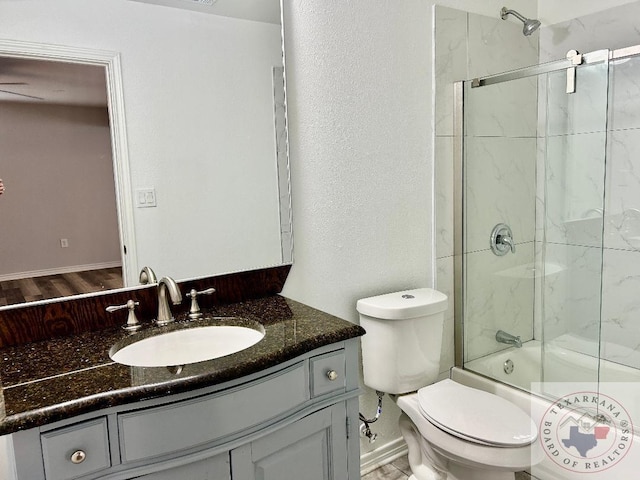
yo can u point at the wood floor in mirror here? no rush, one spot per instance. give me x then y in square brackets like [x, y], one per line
[399, 470]
[62, 285]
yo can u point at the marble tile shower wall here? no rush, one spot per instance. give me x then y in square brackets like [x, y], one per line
[578, 241]
[501, 134]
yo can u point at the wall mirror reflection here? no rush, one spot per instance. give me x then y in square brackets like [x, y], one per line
[163, 145]
[60, 233]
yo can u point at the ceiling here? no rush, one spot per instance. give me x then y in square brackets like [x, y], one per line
[52, 82]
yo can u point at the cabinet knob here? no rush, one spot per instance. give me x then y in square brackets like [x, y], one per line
[332, 375]
[78, 456]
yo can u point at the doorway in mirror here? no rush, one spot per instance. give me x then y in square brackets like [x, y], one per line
[60, 227]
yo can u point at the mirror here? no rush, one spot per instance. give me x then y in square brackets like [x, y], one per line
[197, 126]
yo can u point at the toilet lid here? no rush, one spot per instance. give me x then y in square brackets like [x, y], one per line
[475, 415]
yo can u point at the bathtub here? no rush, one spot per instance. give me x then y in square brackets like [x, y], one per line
[620, 385]
[525, 363]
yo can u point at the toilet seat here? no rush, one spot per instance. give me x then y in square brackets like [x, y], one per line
[475, 416]
[470, 453]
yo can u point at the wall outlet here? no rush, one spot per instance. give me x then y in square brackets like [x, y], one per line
[64, 243]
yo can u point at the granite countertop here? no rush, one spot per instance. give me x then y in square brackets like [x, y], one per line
[53, 380]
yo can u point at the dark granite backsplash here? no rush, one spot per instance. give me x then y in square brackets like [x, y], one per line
[33, 323]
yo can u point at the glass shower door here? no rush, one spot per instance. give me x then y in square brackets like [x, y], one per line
[499, 190]
[569, 244]
[533, 176]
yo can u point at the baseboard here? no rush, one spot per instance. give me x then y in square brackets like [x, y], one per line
[382, 455]
[59, 270]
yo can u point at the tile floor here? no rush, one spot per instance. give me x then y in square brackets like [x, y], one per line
[399, 470]
[396, 470]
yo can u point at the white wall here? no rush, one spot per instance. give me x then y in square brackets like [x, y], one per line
[359, 78]
[54, 161]
[553, 11]
[191, 81]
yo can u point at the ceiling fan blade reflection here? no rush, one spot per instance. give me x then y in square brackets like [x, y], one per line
[21, 94]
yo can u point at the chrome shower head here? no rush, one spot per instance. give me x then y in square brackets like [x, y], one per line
[530, 25]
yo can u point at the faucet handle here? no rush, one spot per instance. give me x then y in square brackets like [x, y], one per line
[132, 321]
[508, 241]
[194, 311]
[501, 241]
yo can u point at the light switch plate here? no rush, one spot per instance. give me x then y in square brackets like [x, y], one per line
[145, 197]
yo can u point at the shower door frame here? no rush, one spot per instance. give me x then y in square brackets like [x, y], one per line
[458, 165]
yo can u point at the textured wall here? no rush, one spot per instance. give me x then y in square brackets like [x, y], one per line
[359, 79]
[361, 170]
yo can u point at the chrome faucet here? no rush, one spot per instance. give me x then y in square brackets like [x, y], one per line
[147, 276]
[164, 311]
[504, 337]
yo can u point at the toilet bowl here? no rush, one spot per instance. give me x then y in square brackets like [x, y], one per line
[465, 433]
[452, 431]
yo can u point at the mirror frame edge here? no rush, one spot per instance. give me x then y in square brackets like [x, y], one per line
[289, 259]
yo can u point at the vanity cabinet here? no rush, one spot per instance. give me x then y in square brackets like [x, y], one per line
[215, 468]
[153, 432]
[76, 450]
[292, 421]
[313, 448]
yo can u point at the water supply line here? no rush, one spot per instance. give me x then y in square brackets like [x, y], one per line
[364, 428]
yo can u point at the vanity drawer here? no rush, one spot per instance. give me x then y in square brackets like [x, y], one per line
[170, 428]
[77, 450]
[327, 373]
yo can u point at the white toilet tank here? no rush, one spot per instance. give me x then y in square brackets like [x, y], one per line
[401, 349]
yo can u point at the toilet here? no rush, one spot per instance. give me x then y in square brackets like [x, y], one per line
[452, 431]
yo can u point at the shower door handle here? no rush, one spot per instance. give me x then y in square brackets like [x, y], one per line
[502, 240]
[576, 59]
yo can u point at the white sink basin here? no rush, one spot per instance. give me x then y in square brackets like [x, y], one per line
[191, 345]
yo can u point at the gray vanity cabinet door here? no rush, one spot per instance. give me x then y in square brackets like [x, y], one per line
[313, 448]
[215, 468]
